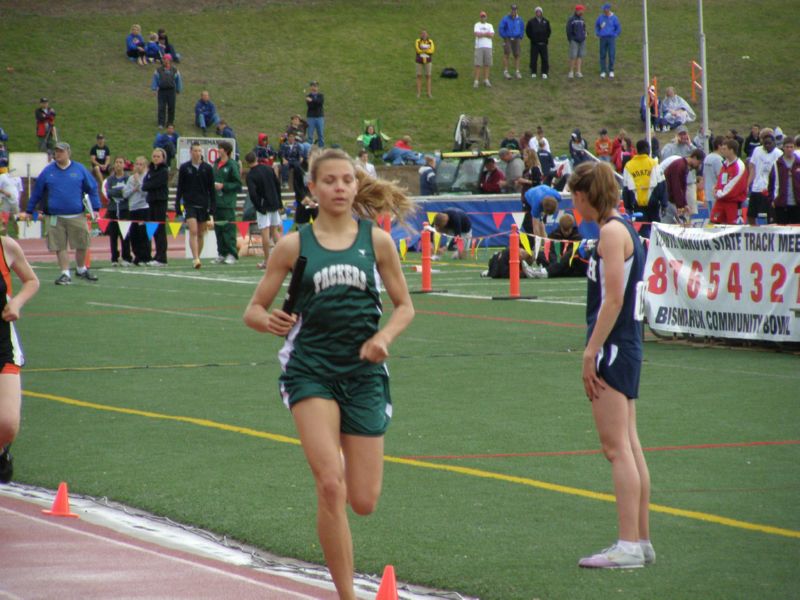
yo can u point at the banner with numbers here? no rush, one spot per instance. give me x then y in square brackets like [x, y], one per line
[733, 282]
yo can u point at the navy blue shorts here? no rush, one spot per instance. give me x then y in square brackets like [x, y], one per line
[620, 367]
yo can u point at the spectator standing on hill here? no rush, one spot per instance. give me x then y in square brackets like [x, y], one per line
[759, 167]
[612, 361]
[427, 177]
[512, 30]
[424, 49]
[677, 172]
[264, 190]
[315, 114]
[227, 183]
[602, 146]
[135, 46]
[578, 148]
[492, 179]
[139, 212]
[712, 165]
[538, 32]
[785, 185]
[100, 159]
[117, 210]
[731, 189]
[752, 141]
[483, 33]
[46, 126]
[643, 187]
[576, 36]
[205, 112]
[12, 259]
[607, 29]
[60, 188]
[196, 199]
[166, 83]
[156, 185]
[168, 142]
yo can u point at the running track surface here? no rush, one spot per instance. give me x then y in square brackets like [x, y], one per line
[44, 557]
[36, 248]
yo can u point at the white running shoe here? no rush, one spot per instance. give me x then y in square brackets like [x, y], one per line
[533, 75]
[571, 75]
[579, 75]
[603, 75]
[544, 75]
[230, 259]
[614, 557]
[518, 75]
[611, 75]
[486, 83]
[219, 260]
[506, 74]
[475, 84]
[649, 553]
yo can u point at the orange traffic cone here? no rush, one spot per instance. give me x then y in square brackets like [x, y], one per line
[388, 587]
[61, 503]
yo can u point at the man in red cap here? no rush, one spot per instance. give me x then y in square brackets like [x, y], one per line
[484, 33]
[576, 35]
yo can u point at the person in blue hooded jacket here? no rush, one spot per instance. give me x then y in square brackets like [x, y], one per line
[512, 30]
[607, 29]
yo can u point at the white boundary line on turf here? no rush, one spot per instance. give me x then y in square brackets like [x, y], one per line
[174, 275]
[533, 300]
[160, 311]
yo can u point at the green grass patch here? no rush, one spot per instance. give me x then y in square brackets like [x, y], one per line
[489, 386]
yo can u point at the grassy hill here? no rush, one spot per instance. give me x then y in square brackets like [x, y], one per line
[256, 58]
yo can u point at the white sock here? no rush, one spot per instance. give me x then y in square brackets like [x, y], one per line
[645, 543]
[79, 269]
[66, 272]
[629, 547]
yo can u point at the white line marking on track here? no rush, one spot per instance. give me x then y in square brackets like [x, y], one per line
[533, 300]
[161, 311]
[184, 561]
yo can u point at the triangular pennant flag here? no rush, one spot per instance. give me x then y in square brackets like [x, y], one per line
[124, 228]
[637, 226]
[460, 244]
[101, 223]
[518, 218]
[526, 243]
[151, 227]
[243, 227]
[578, 217]
[537, 245]
[574, 252]
[174, 228]
[558, 249]
[403, 249]
[473, 251]
[547, 249]
[437, 238]
[431, 217]
[498, 218]
[287, 225]
[102, 213]
[171, 215]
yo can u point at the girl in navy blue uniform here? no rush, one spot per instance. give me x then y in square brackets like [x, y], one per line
[612, 360]
[11, 358]
[334, 380]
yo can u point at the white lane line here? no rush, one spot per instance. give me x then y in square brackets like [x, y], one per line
[162, 311]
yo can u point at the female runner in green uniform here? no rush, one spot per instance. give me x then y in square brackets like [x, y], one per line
[334, 380]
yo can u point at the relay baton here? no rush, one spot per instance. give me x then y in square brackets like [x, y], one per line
[294, 284]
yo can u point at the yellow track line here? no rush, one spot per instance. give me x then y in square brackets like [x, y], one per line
[480, 473]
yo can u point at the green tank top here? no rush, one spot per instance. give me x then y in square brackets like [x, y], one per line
[338, 307]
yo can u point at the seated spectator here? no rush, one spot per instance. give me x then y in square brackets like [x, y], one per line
[152, 51]
[602, 146]
[225, 131]
[402, 153]
[166, 47]
[675, 111]
[454, 222]
[100, 157]
[168, 141]
[135, 46]
[427, 177]
[649, 108]
[263, 151]
[510, 141]
[515, 166]
[680, 145]
[565, 264]
[364, 164]
[621, 150]
[492, 179]
[371, 139]
[577, 148]
[543, 203]
[299, 127]
[205, 113]
[546, 162]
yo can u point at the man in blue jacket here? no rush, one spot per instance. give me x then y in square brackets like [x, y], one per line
[205, 113]
[511, 29]
[607, 28]
[576, 36]
[60, 189]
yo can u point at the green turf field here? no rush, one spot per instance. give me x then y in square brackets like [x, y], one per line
[148, 389]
